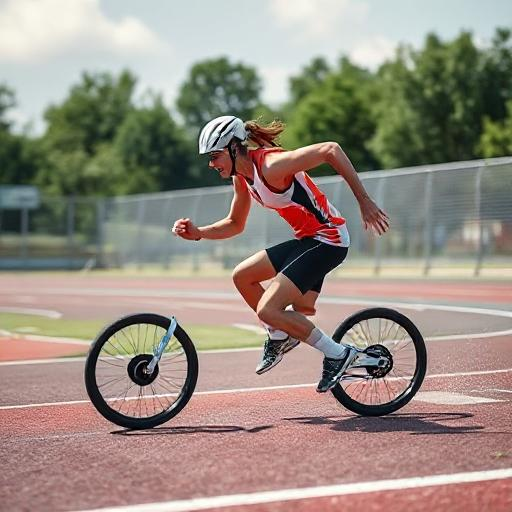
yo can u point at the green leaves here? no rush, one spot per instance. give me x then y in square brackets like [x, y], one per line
[445, 101]
[217, 87]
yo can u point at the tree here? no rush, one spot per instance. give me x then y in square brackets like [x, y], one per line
[153, 150]
[310, 77]
[496, 138]
[91, 114]
[496, 75]
[19, 155]
[217, 87]
[336, 109]
[434, 100]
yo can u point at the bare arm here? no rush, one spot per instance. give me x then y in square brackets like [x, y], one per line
[280, 168]
[232, 225]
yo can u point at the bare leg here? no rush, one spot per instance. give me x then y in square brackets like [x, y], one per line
[248, 275]
[271, 308]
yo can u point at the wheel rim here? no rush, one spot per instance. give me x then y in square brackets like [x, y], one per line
[372, 388]
[120, 372]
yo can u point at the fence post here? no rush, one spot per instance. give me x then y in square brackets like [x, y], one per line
[381, 185]
[140, 232]
[100, 240]
[427, 233]
[478, 206]
[24, 236]
[70, 229]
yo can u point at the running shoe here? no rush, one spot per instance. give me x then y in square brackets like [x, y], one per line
[273, 352]
[333, 369]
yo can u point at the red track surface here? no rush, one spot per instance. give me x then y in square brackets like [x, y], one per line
[66, 457]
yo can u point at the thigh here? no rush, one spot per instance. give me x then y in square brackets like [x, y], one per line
[315, 260]
[257, 267]
[281, 293]
[280, 254]
[305, 304]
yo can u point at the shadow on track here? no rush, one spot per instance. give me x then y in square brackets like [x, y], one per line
[199, 429]
[415, 423]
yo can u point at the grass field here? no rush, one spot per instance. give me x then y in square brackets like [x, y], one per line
[204, 336]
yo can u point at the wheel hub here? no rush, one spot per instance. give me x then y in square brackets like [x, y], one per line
[385, 365]
[137, 370]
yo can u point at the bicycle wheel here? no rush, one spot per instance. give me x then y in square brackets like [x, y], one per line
[372, 391]
[114, 372]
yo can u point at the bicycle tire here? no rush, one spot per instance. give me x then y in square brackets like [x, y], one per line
[421, 362]
[95, 395]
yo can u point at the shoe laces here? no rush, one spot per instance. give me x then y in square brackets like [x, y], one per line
[328, 367]
[272, 347]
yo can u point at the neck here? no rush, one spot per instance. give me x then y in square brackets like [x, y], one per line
[245, 167]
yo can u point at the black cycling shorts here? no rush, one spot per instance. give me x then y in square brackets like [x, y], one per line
[306, 261]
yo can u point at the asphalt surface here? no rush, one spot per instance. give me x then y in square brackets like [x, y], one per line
[242, 440]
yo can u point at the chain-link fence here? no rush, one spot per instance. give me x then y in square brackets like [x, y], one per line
[455, 215]
[60, 233]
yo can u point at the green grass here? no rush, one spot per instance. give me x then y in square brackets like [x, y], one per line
[204, 336]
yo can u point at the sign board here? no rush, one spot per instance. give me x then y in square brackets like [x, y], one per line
[18, 197]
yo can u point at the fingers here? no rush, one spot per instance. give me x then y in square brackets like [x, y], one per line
[378, 221]
[180, 227]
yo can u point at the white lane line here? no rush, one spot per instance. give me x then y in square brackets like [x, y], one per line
[231, 296]
[82, 358]
[48, 313]
[250, 327]
[251, 390]
[448, 398]
[46, 339]
[257, 498]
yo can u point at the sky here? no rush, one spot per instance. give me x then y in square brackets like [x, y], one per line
[45, 45]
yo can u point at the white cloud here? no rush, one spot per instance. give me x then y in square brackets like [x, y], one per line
[275, 80]
[372, 52]
[317, 19]
[35, 29]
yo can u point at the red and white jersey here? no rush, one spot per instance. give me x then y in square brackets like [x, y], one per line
[303, 205]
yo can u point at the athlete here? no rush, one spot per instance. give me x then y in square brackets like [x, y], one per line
[249, 155]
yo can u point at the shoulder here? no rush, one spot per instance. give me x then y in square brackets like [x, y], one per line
[259, 155]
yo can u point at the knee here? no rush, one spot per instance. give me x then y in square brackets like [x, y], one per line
[239, 276]
[265, 313]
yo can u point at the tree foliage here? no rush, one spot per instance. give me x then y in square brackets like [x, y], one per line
[154, 150]
[448, 100]
[337, 109]
[496, 139]
[217, 87]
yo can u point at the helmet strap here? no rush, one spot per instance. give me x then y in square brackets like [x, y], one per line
[232, 155]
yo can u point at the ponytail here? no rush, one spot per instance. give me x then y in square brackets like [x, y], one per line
[264, 135]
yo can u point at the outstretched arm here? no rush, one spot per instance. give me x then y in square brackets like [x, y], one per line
[280, 168]
[231, 225]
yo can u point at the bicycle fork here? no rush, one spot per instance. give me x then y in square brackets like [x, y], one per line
[159, 349]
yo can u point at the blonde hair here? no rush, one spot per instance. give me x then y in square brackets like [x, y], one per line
[264, 135]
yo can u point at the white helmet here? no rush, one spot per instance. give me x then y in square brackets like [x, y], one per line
[219, 132]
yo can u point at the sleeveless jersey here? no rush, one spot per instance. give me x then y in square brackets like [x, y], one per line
[302, 205]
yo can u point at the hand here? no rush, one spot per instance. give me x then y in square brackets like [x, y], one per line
[186, 229]
[373, 216]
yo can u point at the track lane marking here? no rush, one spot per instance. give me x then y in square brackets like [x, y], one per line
[255, 389]
[257, 498]
[451, 337]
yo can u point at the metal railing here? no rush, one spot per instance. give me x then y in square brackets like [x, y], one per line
[442, 216]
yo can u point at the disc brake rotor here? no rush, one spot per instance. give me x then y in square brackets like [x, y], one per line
[379, 351]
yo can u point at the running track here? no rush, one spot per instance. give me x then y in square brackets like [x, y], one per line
[254, 443]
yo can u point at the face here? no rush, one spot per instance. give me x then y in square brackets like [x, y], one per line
[221, 162]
